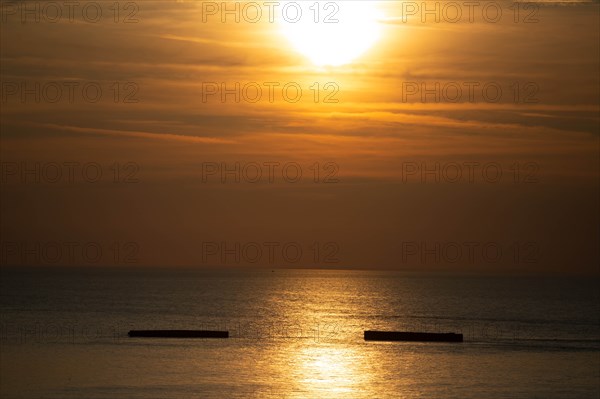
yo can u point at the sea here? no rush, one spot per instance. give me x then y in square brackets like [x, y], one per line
[295, 334]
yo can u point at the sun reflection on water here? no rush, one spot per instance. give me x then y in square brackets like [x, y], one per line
[331, 372]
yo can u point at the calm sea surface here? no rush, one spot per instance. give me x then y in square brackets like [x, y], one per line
[295, 334]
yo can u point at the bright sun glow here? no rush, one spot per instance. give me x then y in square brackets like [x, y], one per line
[331, 33]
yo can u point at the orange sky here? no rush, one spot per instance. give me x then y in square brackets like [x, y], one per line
[375, 207]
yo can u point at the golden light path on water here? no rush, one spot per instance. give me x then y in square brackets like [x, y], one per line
[275, 352]
[332, 369]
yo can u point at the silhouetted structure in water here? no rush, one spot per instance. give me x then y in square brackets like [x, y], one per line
[412, 336]
[178, 334]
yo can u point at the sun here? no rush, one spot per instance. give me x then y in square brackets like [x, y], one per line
[331, 33]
